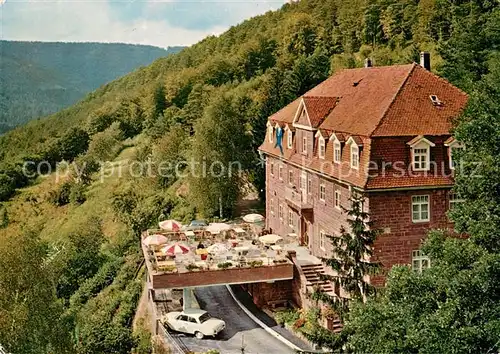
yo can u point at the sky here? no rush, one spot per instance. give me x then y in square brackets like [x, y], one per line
[160, 23]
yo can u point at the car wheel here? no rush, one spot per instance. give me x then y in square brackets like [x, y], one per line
[199, 335]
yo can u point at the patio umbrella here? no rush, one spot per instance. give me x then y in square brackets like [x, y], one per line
[155, 240]
[170, 225]
[270, 239]
[216, 228]
[253, 218]
[175, 248]
[218, 248]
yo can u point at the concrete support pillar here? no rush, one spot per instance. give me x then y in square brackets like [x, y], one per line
[187, 298]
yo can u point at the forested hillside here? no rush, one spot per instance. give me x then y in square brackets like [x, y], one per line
[41, 78]
[209, 103]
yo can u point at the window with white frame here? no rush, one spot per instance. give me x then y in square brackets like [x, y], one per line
[280, 211]
[354, 156]
[304, 144]
[453, 162]
[421, 159]
[271, 168]
[303, 181]
[420, 208]
[271, 206]
[419, 261]
[337, 199]
[321, 148]
[455, 200]
[291, 218]
[289, 139]
[280, 172]
[322, 240]
[322, 192]
[290, 177]
[337, 153]
[309, 184]
[270, 133]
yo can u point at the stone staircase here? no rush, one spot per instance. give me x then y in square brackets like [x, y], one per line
[312, 273]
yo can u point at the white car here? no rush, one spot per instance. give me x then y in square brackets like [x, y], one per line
[194, 321]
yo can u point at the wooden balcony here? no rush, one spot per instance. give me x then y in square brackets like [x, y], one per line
[297, 199]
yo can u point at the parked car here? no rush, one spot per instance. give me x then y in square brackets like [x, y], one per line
[194, 321]
[196, 225]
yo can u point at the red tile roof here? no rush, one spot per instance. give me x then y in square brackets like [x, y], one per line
[318, 108]
[380, 101]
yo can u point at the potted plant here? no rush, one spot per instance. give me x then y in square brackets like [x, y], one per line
[192, 267]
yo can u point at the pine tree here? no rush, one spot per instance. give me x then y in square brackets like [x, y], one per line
[350, 260]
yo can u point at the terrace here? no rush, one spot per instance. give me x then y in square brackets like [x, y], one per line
[233, 256]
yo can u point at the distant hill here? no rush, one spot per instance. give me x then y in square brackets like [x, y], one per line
[40, 78]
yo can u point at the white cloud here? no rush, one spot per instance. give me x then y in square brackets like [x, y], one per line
[97, 21]
[89, 21]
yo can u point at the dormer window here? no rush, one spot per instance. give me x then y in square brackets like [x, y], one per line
[270, 133]
[289, 139]
[453, 145]
[304, 144]
[435, 100]
[354, 156]
[337, 152]
[320, 135]
[420, 153]
[321, 147]
[337, 139]
[355, 142]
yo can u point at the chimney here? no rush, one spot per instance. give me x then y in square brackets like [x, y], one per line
[425, 60]
[368, 63]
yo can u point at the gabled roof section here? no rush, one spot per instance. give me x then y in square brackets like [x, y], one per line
[355, 139]
[338, 136]
[420, 139]
[413, 113]
[322, 133]
[451, 141]
[318, 108]
[379, 101]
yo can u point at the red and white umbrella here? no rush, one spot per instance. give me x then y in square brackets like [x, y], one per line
[170, 225]
[176, 248]
[155, 240]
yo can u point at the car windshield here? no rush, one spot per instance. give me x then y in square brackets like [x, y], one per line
[205, 317]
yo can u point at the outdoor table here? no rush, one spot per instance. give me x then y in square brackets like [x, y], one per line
[241, 249]
[165, 264]
[276, 248]
[239, 230]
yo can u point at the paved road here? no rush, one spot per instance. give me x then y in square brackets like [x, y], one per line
[239, 327]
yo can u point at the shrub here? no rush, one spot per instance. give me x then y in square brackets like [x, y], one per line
[192, 267]
[7, 187]
[287, 317]
[98, 282]
[61, 195]
[299, 323]
[77, 194]
[224, 265]
[254, 264]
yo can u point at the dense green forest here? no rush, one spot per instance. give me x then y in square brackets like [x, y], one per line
[41, 78]
[210, 102]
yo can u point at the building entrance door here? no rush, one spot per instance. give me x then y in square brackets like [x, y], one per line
[305, 227]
